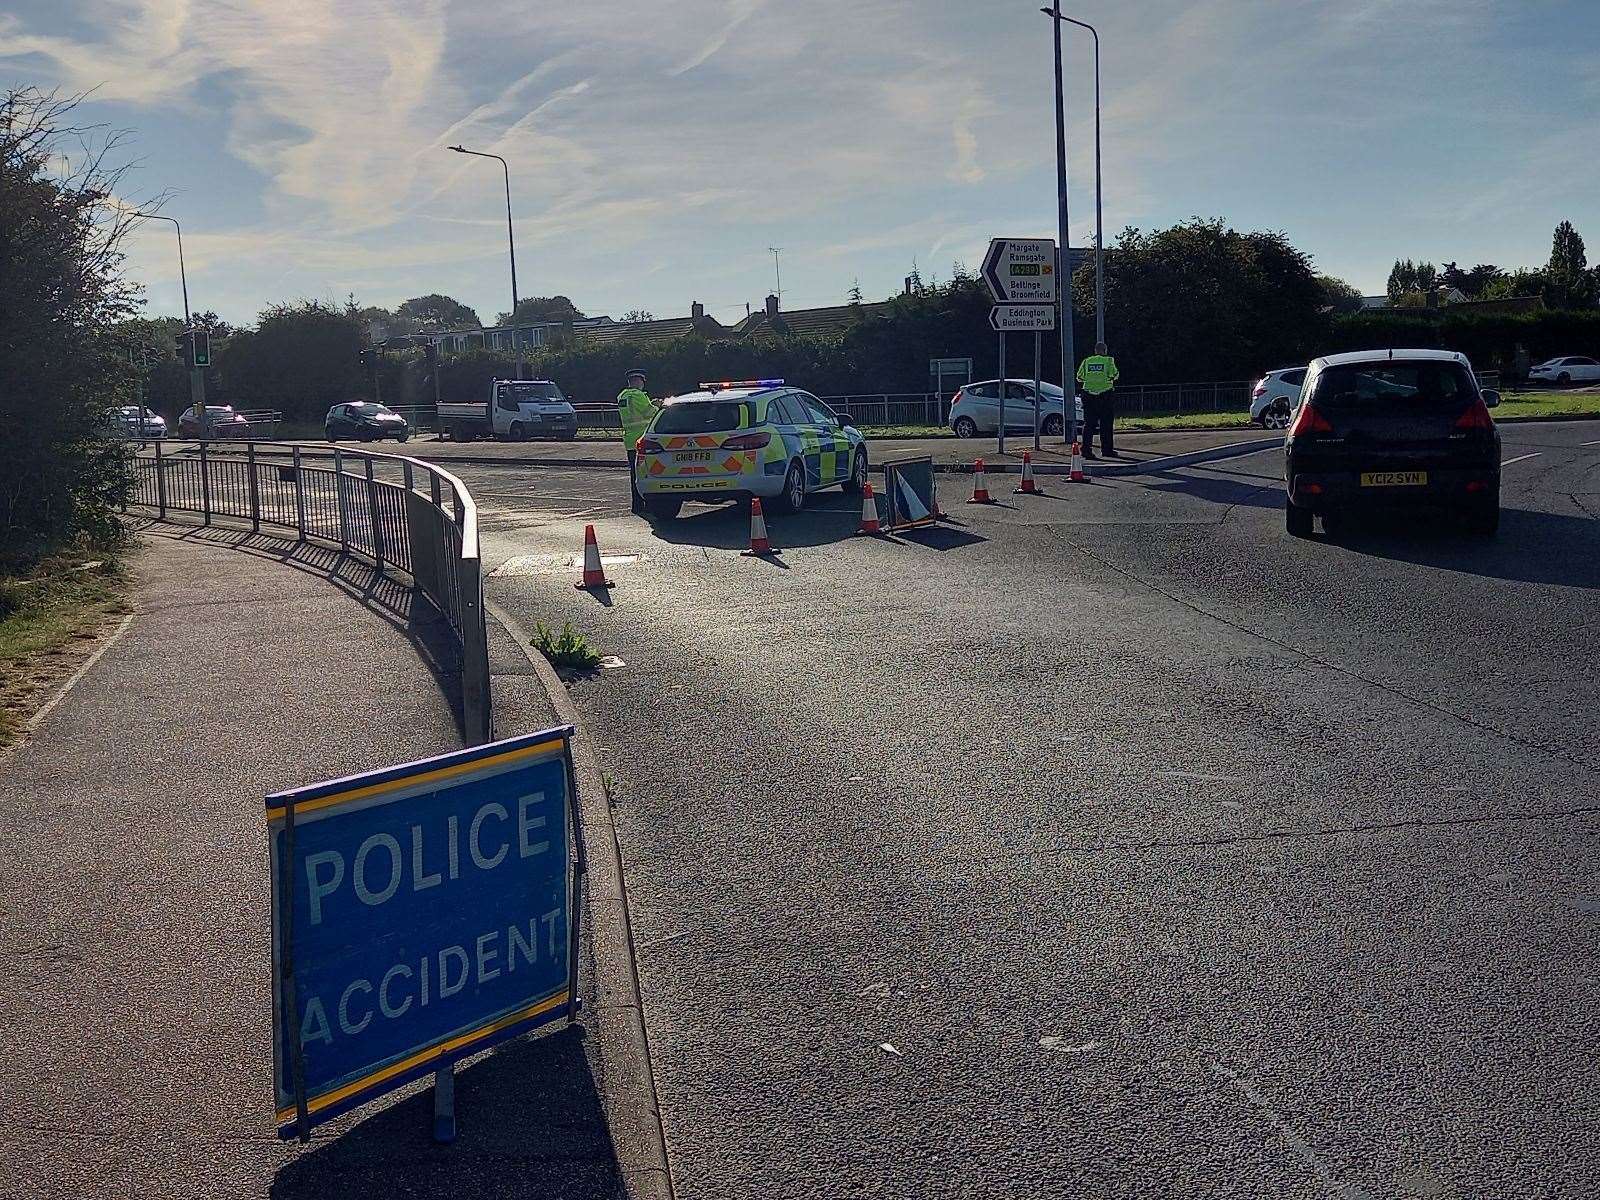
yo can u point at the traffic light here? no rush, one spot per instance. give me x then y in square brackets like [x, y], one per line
[202, 348]
[181, 341]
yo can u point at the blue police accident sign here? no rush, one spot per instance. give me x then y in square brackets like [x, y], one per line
[419, 914]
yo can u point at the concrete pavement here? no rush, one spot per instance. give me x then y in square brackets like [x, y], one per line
[134, 909]
[1112, 843]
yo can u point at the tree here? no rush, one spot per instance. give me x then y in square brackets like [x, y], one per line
[533, 309]
[212, 324]
[854, 294]
[1339, 296]
[1203, 301]
[635, 316]
[434, 313]
[62, 362]
[1568, 283]
[1402, 278]
[301, 358]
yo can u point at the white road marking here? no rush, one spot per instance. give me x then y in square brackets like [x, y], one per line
[1506, 462]
[1334, 1187]
[1589, 443]
[88, 665]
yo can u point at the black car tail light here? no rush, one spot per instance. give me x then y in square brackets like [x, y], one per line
[1309, 420]
[1476, 417]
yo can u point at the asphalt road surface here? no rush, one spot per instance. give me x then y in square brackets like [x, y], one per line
[1108, 843]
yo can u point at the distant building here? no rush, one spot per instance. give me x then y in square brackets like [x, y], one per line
[830, 322]
[665, 330]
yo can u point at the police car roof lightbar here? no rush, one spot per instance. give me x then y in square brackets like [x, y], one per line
[740, 383]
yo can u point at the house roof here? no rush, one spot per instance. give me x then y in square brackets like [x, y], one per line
[813, 322]
[666, 330]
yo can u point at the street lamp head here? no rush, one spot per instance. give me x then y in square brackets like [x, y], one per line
[459, 149]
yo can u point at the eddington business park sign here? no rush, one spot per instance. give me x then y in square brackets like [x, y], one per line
[420, 914]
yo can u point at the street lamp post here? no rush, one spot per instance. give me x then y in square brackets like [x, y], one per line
[511, 241]
[1069, 426]
[1099, 226]
[197, 377]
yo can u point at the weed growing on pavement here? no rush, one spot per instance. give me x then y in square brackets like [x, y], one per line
[569, 648]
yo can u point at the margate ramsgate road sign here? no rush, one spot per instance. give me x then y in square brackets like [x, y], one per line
[419, 914]
[1021, 270]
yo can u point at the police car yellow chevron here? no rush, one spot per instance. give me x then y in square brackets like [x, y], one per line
[744, 438]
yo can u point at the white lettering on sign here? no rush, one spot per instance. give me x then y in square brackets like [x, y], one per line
[381, 866]
[438, 977]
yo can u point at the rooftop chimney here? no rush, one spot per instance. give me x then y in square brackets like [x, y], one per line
[772, 307]
[697, 311]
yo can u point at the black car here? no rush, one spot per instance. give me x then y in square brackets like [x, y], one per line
[1392, 428]
[365, 421]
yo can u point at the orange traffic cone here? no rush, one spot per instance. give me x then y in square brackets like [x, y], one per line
[980, 485]
[1027, 486]
[759, 545]
[869, 511]
[594, 575]
[1077, 463]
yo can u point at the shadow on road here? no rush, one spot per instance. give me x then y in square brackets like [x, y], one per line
[1248, 491]
[1531, 547]
[529, 1123]
[727, 526]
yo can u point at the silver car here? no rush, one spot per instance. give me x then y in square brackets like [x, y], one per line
[976, 408]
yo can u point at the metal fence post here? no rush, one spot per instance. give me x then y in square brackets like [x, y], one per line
[161, 483]
[338, 493]
[255, 487]
[299, 497]
[475, 711]
[372, 516]
[433, 488]
[205, 483]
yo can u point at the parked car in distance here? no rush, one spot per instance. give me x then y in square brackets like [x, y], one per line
[225, 422]
[132, 421]
[1392, 428]
[364, 421]
[975, 408]
[1570, 369]
[1273, 399]
[515, 410]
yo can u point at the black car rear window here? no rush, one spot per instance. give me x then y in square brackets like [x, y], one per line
[1375, 386]
[702, 416]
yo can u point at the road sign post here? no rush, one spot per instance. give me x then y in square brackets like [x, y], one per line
[1000, 429]
[1022, 276]
[420, 914]
[1038, 399]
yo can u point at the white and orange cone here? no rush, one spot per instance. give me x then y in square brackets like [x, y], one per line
[1027, 486]
[1077, 463]
[980, 485]
[760, 547]
[594, 575]
[869, 511]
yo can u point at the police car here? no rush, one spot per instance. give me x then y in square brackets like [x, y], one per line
[757, 437]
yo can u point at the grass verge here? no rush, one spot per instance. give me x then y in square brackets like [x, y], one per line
[1542, 406]
[50, 618]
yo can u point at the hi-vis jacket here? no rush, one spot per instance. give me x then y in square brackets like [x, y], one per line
[637, 410]
[1098, 374]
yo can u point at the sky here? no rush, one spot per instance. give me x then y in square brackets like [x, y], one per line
[657, 149]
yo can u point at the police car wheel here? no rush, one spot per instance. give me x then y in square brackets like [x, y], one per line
[858, 474]
[793, 497]
[666, 509]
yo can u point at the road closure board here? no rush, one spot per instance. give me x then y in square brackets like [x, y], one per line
[1021, 270]
[909, 487]
[420, 913]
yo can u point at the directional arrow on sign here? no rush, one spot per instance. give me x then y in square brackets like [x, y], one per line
[1021, 270]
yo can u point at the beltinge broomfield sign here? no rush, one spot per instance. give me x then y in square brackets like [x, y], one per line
[419, 915]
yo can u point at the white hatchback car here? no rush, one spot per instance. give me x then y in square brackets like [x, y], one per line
[976, 408]
[1570, 369]
[1273, 399]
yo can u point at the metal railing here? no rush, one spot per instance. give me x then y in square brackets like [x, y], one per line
[401, 514]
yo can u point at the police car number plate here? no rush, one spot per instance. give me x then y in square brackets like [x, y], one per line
[692, 456]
